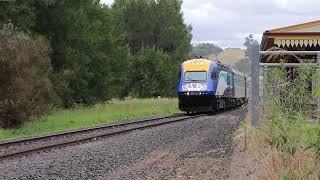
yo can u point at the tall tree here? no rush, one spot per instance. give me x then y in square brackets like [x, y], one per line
[152, 23]
[20, 12]
[84, 49]
[157, 25]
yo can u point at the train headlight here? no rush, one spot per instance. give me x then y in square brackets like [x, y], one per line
[188, 93]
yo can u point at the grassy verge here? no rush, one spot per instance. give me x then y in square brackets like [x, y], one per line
[287, 143]
[82, 117]
[291, 153]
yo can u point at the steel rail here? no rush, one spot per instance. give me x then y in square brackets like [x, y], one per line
[153, 122]
[25, 140]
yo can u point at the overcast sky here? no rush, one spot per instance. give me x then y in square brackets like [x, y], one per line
[227, 22]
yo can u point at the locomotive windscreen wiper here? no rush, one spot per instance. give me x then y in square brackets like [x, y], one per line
[189, 79]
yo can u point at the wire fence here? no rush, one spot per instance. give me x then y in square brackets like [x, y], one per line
[285, 86]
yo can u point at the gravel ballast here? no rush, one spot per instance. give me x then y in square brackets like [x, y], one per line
[193, 149]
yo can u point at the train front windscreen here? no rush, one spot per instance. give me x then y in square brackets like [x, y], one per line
[194, 76]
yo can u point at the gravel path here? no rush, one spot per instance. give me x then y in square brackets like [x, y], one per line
[196, 149]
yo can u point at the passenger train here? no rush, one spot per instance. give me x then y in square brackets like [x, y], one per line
[207, 85]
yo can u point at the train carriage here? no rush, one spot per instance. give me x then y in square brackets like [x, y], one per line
[209, 86]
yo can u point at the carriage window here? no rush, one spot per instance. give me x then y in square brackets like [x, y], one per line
[195, 76]
[214, 75]
[228, 80]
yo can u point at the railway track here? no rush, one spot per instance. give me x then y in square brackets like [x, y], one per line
[43, 143]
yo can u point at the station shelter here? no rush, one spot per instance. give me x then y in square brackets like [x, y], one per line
[300, 37]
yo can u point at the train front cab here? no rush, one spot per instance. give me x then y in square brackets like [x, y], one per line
[196, 87]
[219, 87]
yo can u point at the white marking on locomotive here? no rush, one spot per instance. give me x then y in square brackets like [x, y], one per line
[194, 87]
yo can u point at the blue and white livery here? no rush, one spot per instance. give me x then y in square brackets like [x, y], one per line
[209, 85]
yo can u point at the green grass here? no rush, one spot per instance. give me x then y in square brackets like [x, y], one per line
[83, 117]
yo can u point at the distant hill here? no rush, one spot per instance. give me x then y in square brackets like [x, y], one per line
[230, 56]
[205, 49]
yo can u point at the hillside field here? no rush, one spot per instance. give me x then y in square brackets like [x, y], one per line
[230, 56]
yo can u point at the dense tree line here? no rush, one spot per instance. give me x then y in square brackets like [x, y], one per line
[132, 48]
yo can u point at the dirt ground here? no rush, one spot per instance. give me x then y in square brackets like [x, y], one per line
[244, 165]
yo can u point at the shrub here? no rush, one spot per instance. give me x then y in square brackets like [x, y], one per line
[25, 69]
[153, 74]
[290, 131]
[291, 95]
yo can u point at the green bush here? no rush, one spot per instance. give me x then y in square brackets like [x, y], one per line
[25, 86]
[289, 105]
[153, 74]
[291, 129]
[290, 96]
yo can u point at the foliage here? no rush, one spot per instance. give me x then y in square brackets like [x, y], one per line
[291, 94]
[290, 101]
[20, 12]
[152, 74]
[157, 24]
[90, 44]
[158, 43]
[84, 48]
[26, 90]
[205, 49]
[84, 117]
[290, 129]
[100, 52]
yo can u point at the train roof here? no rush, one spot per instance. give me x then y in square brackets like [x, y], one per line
[192, 61]
[205, 65]
[197, 64]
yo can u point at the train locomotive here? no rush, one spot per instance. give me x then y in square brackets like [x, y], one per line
[207, 86]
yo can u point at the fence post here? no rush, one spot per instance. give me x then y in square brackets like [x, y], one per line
[265, 91]
[318, 81]
[255, 62]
